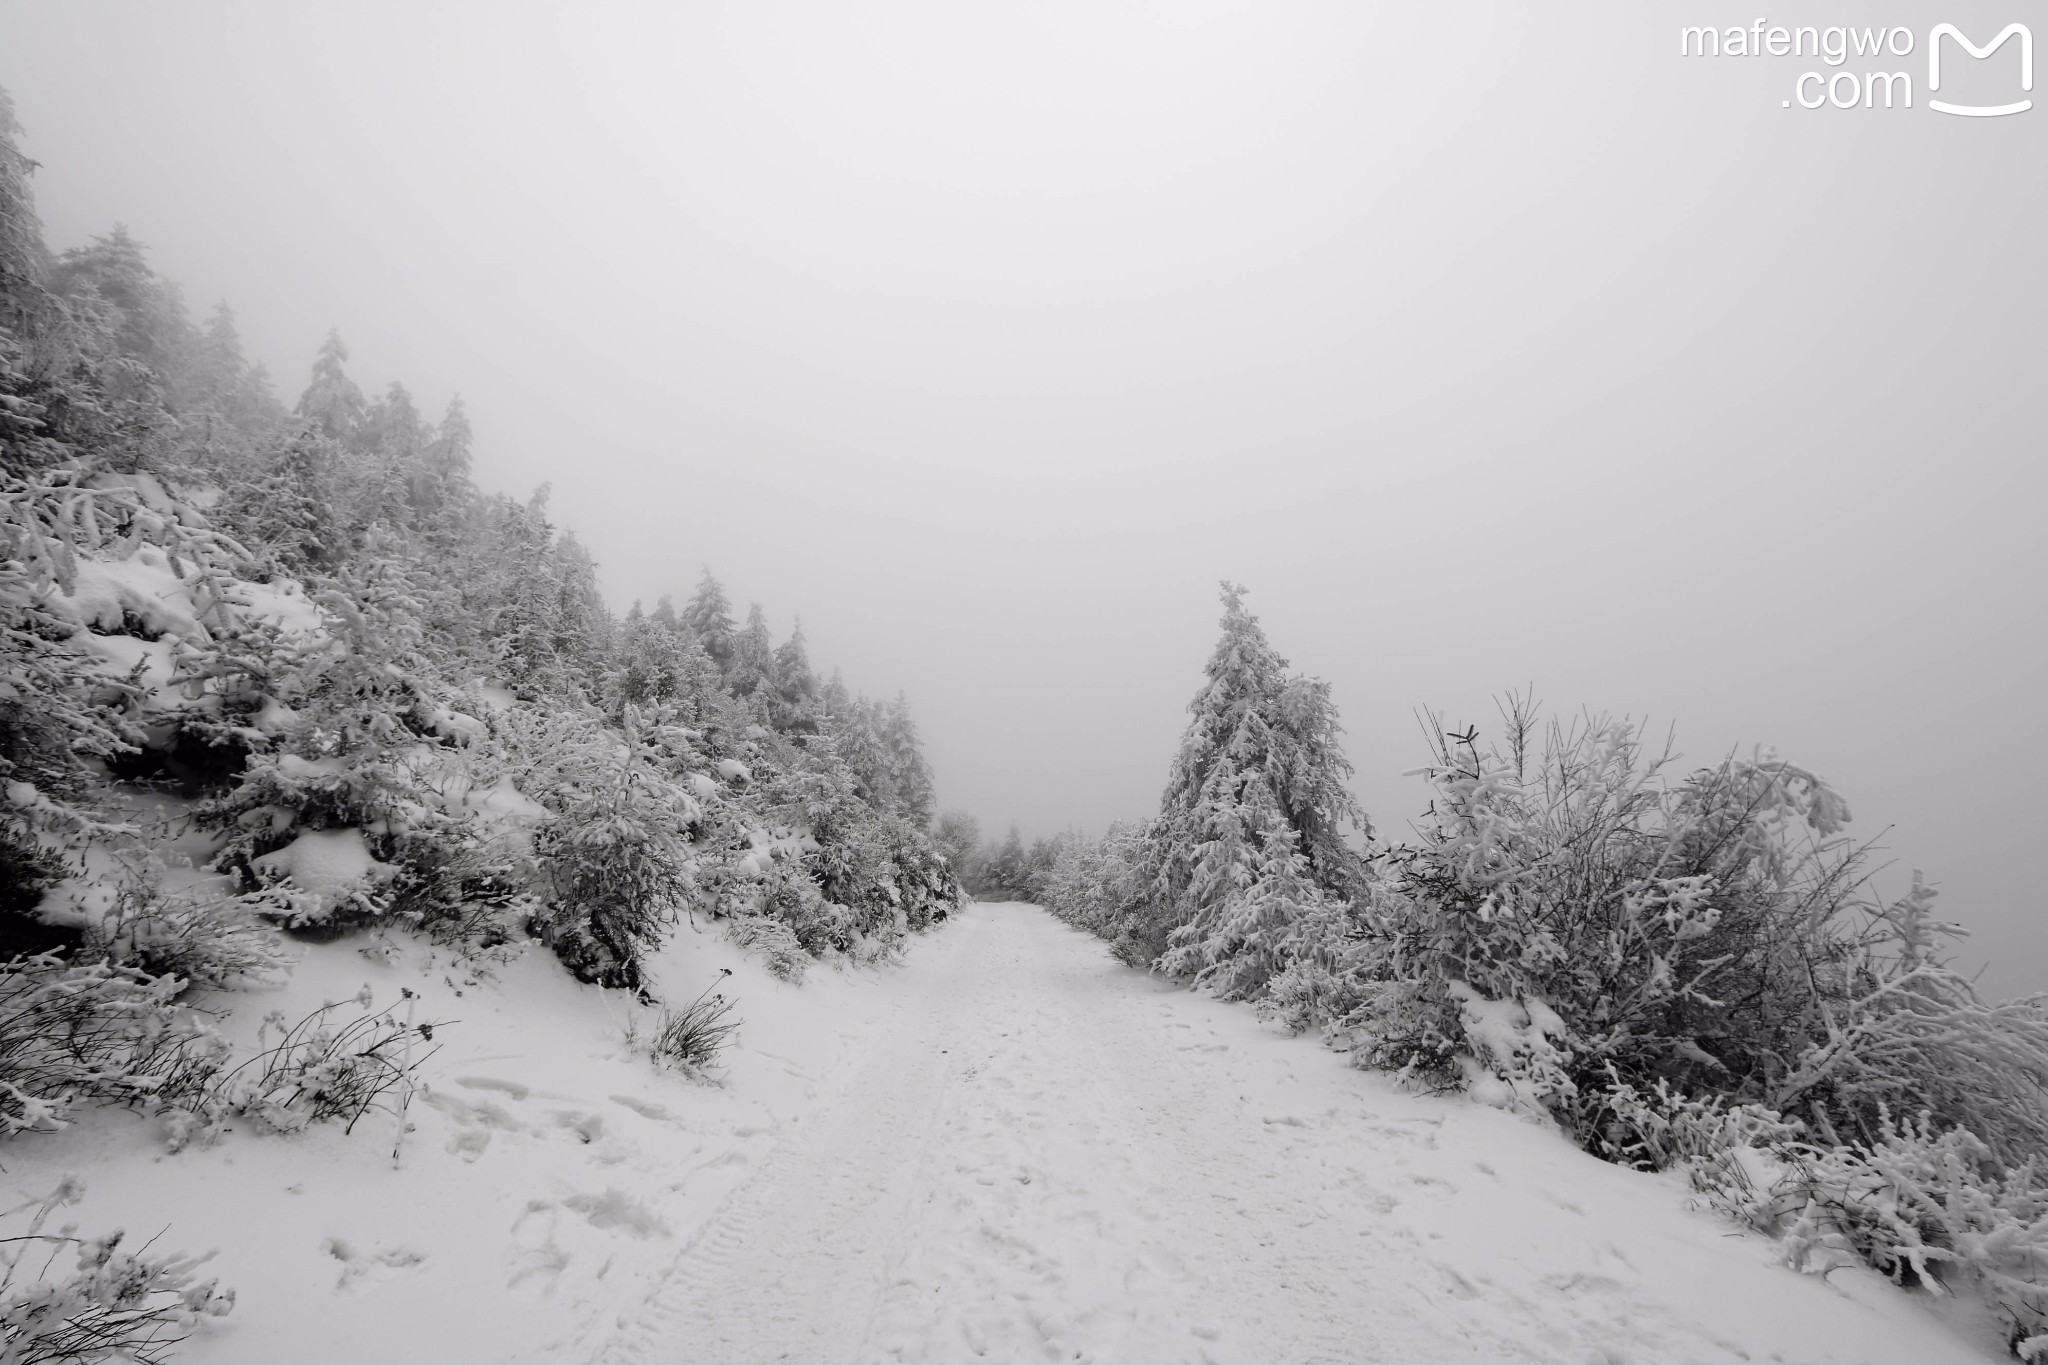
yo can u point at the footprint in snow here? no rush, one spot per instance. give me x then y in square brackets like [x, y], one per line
[535, 1257]
[472, 1123]
[356, 1264]
[588, 1127]
[512, 1088]
[646, 1109]
[617, 1211]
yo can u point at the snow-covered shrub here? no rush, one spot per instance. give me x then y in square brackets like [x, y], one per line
[792, 899]
[1091, 883]
[325, 880]
[850, 863]
[342, 804]
[860, 878]
[204, 940]
[1715, 934]
[473, 897]
[773, 941]
[1916, 1037]
[1332, 980]
[316, 1069]
[59, 710]
[110, 1304]
[1923, 1204]
[92, 1032]
[1712, 1139]
[1696, 932]
[615, 863]
[924, 881]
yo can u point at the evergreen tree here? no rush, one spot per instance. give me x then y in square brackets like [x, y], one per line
[857, 742]
[650, 671]
[287, 508]
[834, 699]
[332, 402]
[1002, 870]
[1254, 813]
[440, 483]
[147, 323]
[230, 397]
[709, 618]
[958, 838]
[909, 775]
[794, 707]
[753, 657]
[21, 235]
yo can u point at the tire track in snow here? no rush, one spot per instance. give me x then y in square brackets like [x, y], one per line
[789, 1267]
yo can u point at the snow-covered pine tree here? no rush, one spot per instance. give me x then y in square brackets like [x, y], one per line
[147, 324]
[709, 618]
[21, 235]
[332, 402]
[753, 657]
[910, 776]
[1250, 833]
[958, 839]
[222, 394]
[1002, 867]
[834, 699]
[794, 707]
[441, 481]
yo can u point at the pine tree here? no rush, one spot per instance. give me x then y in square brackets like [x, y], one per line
[650, 670]
[910, 776]
[709, 618]
[147, 324]
[21, 236]
[958, 838]
[440, 483]
[793, 709]
[221, 387]
[834, 700]
[753, 657]
[1002, 870]
[332, 402]
[1251, 827]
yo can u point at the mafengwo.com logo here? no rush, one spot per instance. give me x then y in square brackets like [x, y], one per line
[1850, 54]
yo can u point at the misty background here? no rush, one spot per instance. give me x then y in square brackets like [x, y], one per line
[1491, 347]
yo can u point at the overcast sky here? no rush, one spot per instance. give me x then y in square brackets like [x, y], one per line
[1489, 344]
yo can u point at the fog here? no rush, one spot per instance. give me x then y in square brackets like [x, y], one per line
[1491, 345]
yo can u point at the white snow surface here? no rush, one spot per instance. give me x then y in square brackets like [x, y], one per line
[1008, 1148]
[326, 862]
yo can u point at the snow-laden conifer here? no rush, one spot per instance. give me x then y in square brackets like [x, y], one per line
[1251, 830]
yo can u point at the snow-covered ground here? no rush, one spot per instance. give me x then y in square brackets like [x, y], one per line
[1007, 1148]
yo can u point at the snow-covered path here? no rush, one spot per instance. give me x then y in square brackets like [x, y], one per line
[1039, 1155]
